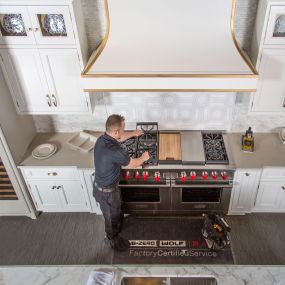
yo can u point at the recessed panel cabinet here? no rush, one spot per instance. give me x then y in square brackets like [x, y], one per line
[268, 52]
[244, 190]
[43, 50]
[44, 81]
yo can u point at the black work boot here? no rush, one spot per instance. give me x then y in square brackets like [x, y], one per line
[117, 243]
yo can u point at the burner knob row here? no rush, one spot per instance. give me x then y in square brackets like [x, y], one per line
[204, 174]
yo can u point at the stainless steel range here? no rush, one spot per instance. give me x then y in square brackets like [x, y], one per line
[176, 190]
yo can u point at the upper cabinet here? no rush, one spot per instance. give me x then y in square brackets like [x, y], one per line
[268, 52]
[43, 49]
[275, 32]
[44, 25]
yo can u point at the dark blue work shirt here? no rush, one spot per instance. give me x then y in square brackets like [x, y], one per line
[109, 156]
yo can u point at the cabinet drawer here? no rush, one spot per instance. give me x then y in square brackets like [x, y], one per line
[50, 173]
[273, 173]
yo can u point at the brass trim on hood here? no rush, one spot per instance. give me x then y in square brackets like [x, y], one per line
[183, 75]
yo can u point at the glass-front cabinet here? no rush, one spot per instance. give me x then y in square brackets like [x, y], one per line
[42, 25]
[275, 33]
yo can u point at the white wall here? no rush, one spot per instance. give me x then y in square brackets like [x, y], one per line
[18, 130]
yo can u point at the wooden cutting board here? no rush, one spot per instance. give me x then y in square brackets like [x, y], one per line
[170, 146]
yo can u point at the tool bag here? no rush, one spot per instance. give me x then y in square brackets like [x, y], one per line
[215, 231]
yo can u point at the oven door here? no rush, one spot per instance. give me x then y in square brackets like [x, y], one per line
[201, 198]
[145, 199]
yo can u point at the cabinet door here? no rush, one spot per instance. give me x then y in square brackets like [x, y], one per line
[15, 26]
[52, 25]
[45, 196]
[270, 95]
[26, 80]
[244, 191]
[72, 196]
[89, 179]
[269, 197]
[275, 32]
[63, 73]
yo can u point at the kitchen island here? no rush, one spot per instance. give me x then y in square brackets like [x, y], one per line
[78, 275]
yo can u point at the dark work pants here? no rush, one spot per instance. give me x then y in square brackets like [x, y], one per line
[110, 204]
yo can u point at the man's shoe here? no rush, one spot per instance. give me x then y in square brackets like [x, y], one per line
[118, 243]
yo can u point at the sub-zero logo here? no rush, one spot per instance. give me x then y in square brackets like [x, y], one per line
[143, 243]
[172, 243]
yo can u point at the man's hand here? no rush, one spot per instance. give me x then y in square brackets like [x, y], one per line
[145, 156]
[138, 133]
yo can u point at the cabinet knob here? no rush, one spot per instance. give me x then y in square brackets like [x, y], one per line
[58, 187]
[48, 100]
[53, 187]
[30, 29]
[36, 29]
[283, 187]
[247, 174]
[52, 174]
[93, 174]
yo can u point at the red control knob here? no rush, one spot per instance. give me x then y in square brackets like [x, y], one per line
[183, 176]
[157, 176]
[193, 175]
[136, 175]
[205, 175]
[214, 175]
[224, 175]
[145, 175]
[126, 175]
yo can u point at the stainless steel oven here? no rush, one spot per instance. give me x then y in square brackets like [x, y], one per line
[145, 199]
[195, 198]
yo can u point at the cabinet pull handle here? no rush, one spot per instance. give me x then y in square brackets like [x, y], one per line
[247, 174]
[48, 100]
[30, 29]
[54, 100]
[283, 187]
[52, 174]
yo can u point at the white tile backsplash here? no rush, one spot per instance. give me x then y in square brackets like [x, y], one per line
[172, 110]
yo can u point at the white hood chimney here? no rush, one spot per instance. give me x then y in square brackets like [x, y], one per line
[169, 45]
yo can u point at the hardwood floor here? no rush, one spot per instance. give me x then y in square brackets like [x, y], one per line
[77, 238]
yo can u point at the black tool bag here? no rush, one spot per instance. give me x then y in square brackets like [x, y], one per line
[215, 231]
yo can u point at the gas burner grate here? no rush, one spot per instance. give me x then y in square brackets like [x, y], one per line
[146, 142]
[214, 148]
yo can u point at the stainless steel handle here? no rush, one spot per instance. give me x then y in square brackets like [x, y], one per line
[48, 100]
[283, 187]
[52, 174]
[144, 186]
[202, 186]
[247, 174]
[54, 100]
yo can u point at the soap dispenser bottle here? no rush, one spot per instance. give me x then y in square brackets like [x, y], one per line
[248, 141]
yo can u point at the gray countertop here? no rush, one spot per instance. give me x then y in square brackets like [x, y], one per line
[269, 151]
[78, 275]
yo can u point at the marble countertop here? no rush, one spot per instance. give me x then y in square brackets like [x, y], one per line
[269, 151]
[78, 275]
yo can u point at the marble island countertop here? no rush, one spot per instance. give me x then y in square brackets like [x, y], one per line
[269, 151]
[78, 275]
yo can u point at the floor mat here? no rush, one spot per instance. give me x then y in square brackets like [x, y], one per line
[168, 241]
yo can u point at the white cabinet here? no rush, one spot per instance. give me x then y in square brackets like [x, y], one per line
[271, 192]
[45, 80]
[244, 190]
[268, 50]
[56, 189]
[88, 177]
[43, 50]
[36, 25]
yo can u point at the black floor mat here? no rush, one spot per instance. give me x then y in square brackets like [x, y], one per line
[168, 241]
